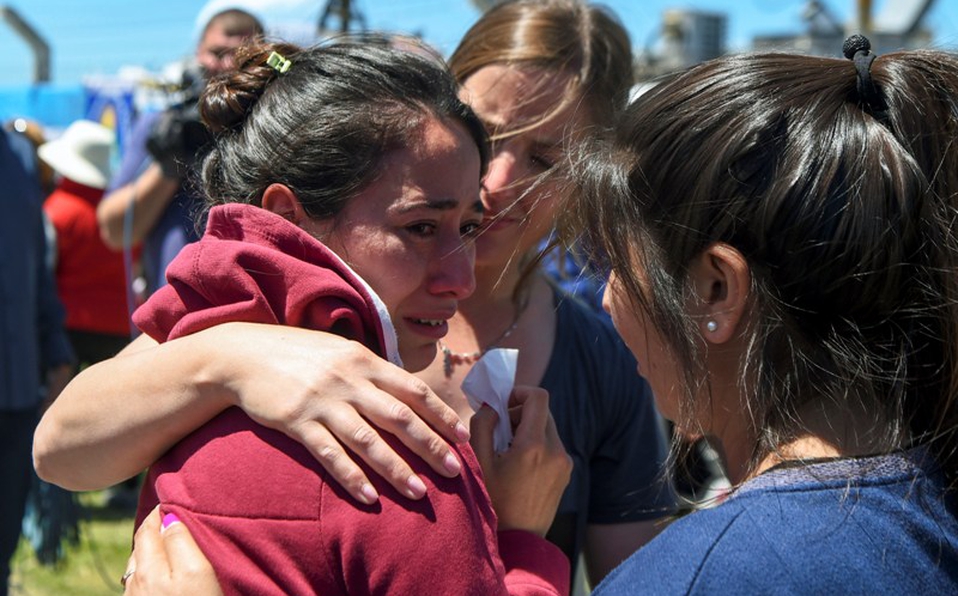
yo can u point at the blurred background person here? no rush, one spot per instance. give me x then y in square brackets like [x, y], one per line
[90, 283]
[36, 360]
[92, 280]
[151, 199]
[90, 277]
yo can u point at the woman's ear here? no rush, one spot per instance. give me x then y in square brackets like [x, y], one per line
[279, 199]
[721, 278]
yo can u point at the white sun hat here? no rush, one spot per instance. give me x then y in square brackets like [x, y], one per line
[81, 153]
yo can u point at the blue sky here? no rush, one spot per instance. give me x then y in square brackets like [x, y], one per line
[90, 37]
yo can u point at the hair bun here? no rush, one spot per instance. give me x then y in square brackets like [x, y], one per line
[228, 99]
[854, 44]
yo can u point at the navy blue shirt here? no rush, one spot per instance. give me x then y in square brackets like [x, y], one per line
[875, 525]
[177, 226]
[32, 337]
[605, 415]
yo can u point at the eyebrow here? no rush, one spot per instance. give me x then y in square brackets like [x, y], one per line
[437, 204]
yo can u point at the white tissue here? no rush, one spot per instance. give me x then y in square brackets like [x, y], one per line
[490, 382]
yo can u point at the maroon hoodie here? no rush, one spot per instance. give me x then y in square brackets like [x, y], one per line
[260, 506]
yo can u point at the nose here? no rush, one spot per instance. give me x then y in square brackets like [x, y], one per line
[455, 272]
[502, 176]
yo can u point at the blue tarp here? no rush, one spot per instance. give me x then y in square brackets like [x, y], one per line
[55, 107]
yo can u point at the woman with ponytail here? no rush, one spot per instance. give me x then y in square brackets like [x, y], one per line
[783, 241]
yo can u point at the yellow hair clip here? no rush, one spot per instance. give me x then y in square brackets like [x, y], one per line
[278, 62]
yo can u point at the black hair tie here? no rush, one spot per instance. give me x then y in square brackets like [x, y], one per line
[857, 48]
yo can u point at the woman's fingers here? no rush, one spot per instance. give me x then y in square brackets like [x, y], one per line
[424, 402]
[526, 481]
[535, 416]
[189, 566]
[363, 441]
[339, 399]
[483, 425]
[350, 429]
[148, 554]
[409, 416]
[166, 561]
[337, 462]
[147, 544]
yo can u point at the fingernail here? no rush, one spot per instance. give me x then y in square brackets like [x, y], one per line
[168, 520]
[368, 494]
[416, 487]
[462, 433]
[452, 464]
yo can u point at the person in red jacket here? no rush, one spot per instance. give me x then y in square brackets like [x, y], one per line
[91, 278]
[344, 184]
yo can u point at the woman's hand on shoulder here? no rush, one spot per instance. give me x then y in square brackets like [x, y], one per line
[526, 481]
[336, 397]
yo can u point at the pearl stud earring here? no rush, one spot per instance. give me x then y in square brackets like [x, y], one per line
[712, 326]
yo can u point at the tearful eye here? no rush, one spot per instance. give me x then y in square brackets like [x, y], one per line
[470, 229]
[422, 229]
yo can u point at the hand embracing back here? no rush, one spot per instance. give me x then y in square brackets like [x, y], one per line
[334, 395]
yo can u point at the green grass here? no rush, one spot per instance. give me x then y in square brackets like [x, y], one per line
[91, 568]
